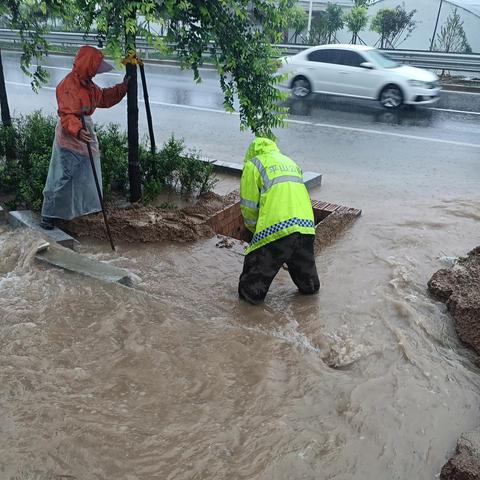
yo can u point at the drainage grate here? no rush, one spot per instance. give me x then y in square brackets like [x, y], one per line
[229, 222]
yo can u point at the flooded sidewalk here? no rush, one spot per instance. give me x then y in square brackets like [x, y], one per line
[179, 380]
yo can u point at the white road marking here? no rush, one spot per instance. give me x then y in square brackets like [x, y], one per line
[69, 70]
[190, 107]
[301, 122]
[398, 135]
[18, 84]
[450, 110]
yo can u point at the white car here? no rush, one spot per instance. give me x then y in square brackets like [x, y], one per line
[361, 72]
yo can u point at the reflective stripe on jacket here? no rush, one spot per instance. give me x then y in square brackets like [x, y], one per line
[273, 199]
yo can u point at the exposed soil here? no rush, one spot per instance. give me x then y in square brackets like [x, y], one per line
[459, 287]
[465, 464]
[139, 223]
[330, 228]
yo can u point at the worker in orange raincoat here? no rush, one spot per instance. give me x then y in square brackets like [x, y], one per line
[70, 189]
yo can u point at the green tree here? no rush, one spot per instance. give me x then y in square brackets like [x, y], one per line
[30, 18]
[241, 51]
[394, 25]
[356, 20]
[318, 30]
[452, 36]
[326, 24]
[297, 20]
[333, 20]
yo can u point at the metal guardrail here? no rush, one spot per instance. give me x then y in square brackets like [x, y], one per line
[432, 60]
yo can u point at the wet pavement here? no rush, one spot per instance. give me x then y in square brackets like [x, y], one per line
[180, 380]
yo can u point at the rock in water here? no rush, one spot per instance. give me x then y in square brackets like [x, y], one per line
[459, 287]
[465, 465]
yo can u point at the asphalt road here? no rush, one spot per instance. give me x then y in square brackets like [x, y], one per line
[362, 150]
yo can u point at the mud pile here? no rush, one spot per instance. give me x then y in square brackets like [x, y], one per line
[465, 465]
[139, 223]
[459, 287]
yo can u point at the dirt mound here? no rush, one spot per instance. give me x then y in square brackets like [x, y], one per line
[465, 465]
[330, 228]
[138, 223]
[459, 287]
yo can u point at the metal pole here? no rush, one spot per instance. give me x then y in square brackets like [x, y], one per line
[147, 108]
[436, 25]
[97, 184]
[309, 26]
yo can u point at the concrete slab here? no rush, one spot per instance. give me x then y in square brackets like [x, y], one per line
[224, 167]
[311, 179]
[27, 218]
[74, 262]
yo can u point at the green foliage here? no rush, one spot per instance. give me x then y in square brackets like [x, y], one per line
[297, 20]
[31, 19]
[356, 20]
[392, 24]
[7, 140]
[177, 169]
[228, 29]
[334, 20]
[325, 25]
[24, 178]
[452, 36]
[318, 30]
[113, 145]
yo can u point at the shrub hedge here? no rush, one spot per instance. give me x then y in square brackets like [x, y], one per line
[23, 178]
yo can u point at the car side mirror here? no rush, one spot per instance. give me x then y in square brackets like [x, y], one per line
[368, 65]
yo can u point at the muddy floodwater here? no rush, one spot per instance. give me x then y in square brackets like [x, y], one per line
[179, 380]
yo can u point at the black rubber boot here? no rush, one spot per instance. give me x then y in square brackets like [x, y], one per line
[47, 223]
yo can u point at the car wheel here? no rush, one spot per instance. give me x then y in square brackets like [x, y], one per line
[301, 87]
[391, 97]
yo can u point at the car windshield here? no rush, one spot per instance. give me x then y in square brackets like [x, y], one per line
[382, 60]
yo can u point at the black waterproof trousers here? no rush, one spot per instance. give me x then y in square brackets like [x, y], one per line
[262, 265]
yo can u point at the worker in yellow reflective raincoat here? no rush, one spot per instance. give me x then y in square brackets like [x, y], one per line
[277, 209]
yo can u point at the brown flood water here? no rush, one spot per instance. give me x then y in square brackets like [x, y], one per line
[178, 380]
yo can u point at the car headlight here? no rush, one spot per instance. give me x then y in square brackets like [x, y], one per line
[417, 83]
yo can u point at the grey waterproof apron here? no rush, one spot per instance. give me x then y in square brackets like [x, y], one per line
[70, 190]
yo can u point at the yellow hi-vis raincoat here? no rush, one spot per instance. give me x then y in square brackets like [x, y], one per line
[273, 198]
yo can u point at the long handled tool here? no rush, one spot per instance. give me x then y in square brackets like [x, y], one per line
[147, 108]
[133, 59]
[97, 184]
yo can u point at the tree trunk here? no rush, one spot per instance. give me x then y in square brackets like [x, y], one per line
[134, 175]
[6, 118]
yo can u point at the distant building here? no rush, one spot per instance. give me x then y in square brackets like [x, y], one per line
[426, 15]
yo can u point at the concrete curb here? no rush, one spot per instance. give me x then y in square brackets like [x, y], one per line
[461, 88]
[29, 219]
[74, 262]
[310, 179]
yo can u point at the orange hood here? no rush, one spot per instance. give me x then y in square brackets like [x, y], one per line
[87, 61]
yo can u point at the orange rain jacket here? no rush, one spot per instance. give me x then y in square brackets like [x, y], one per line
[77, 94]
